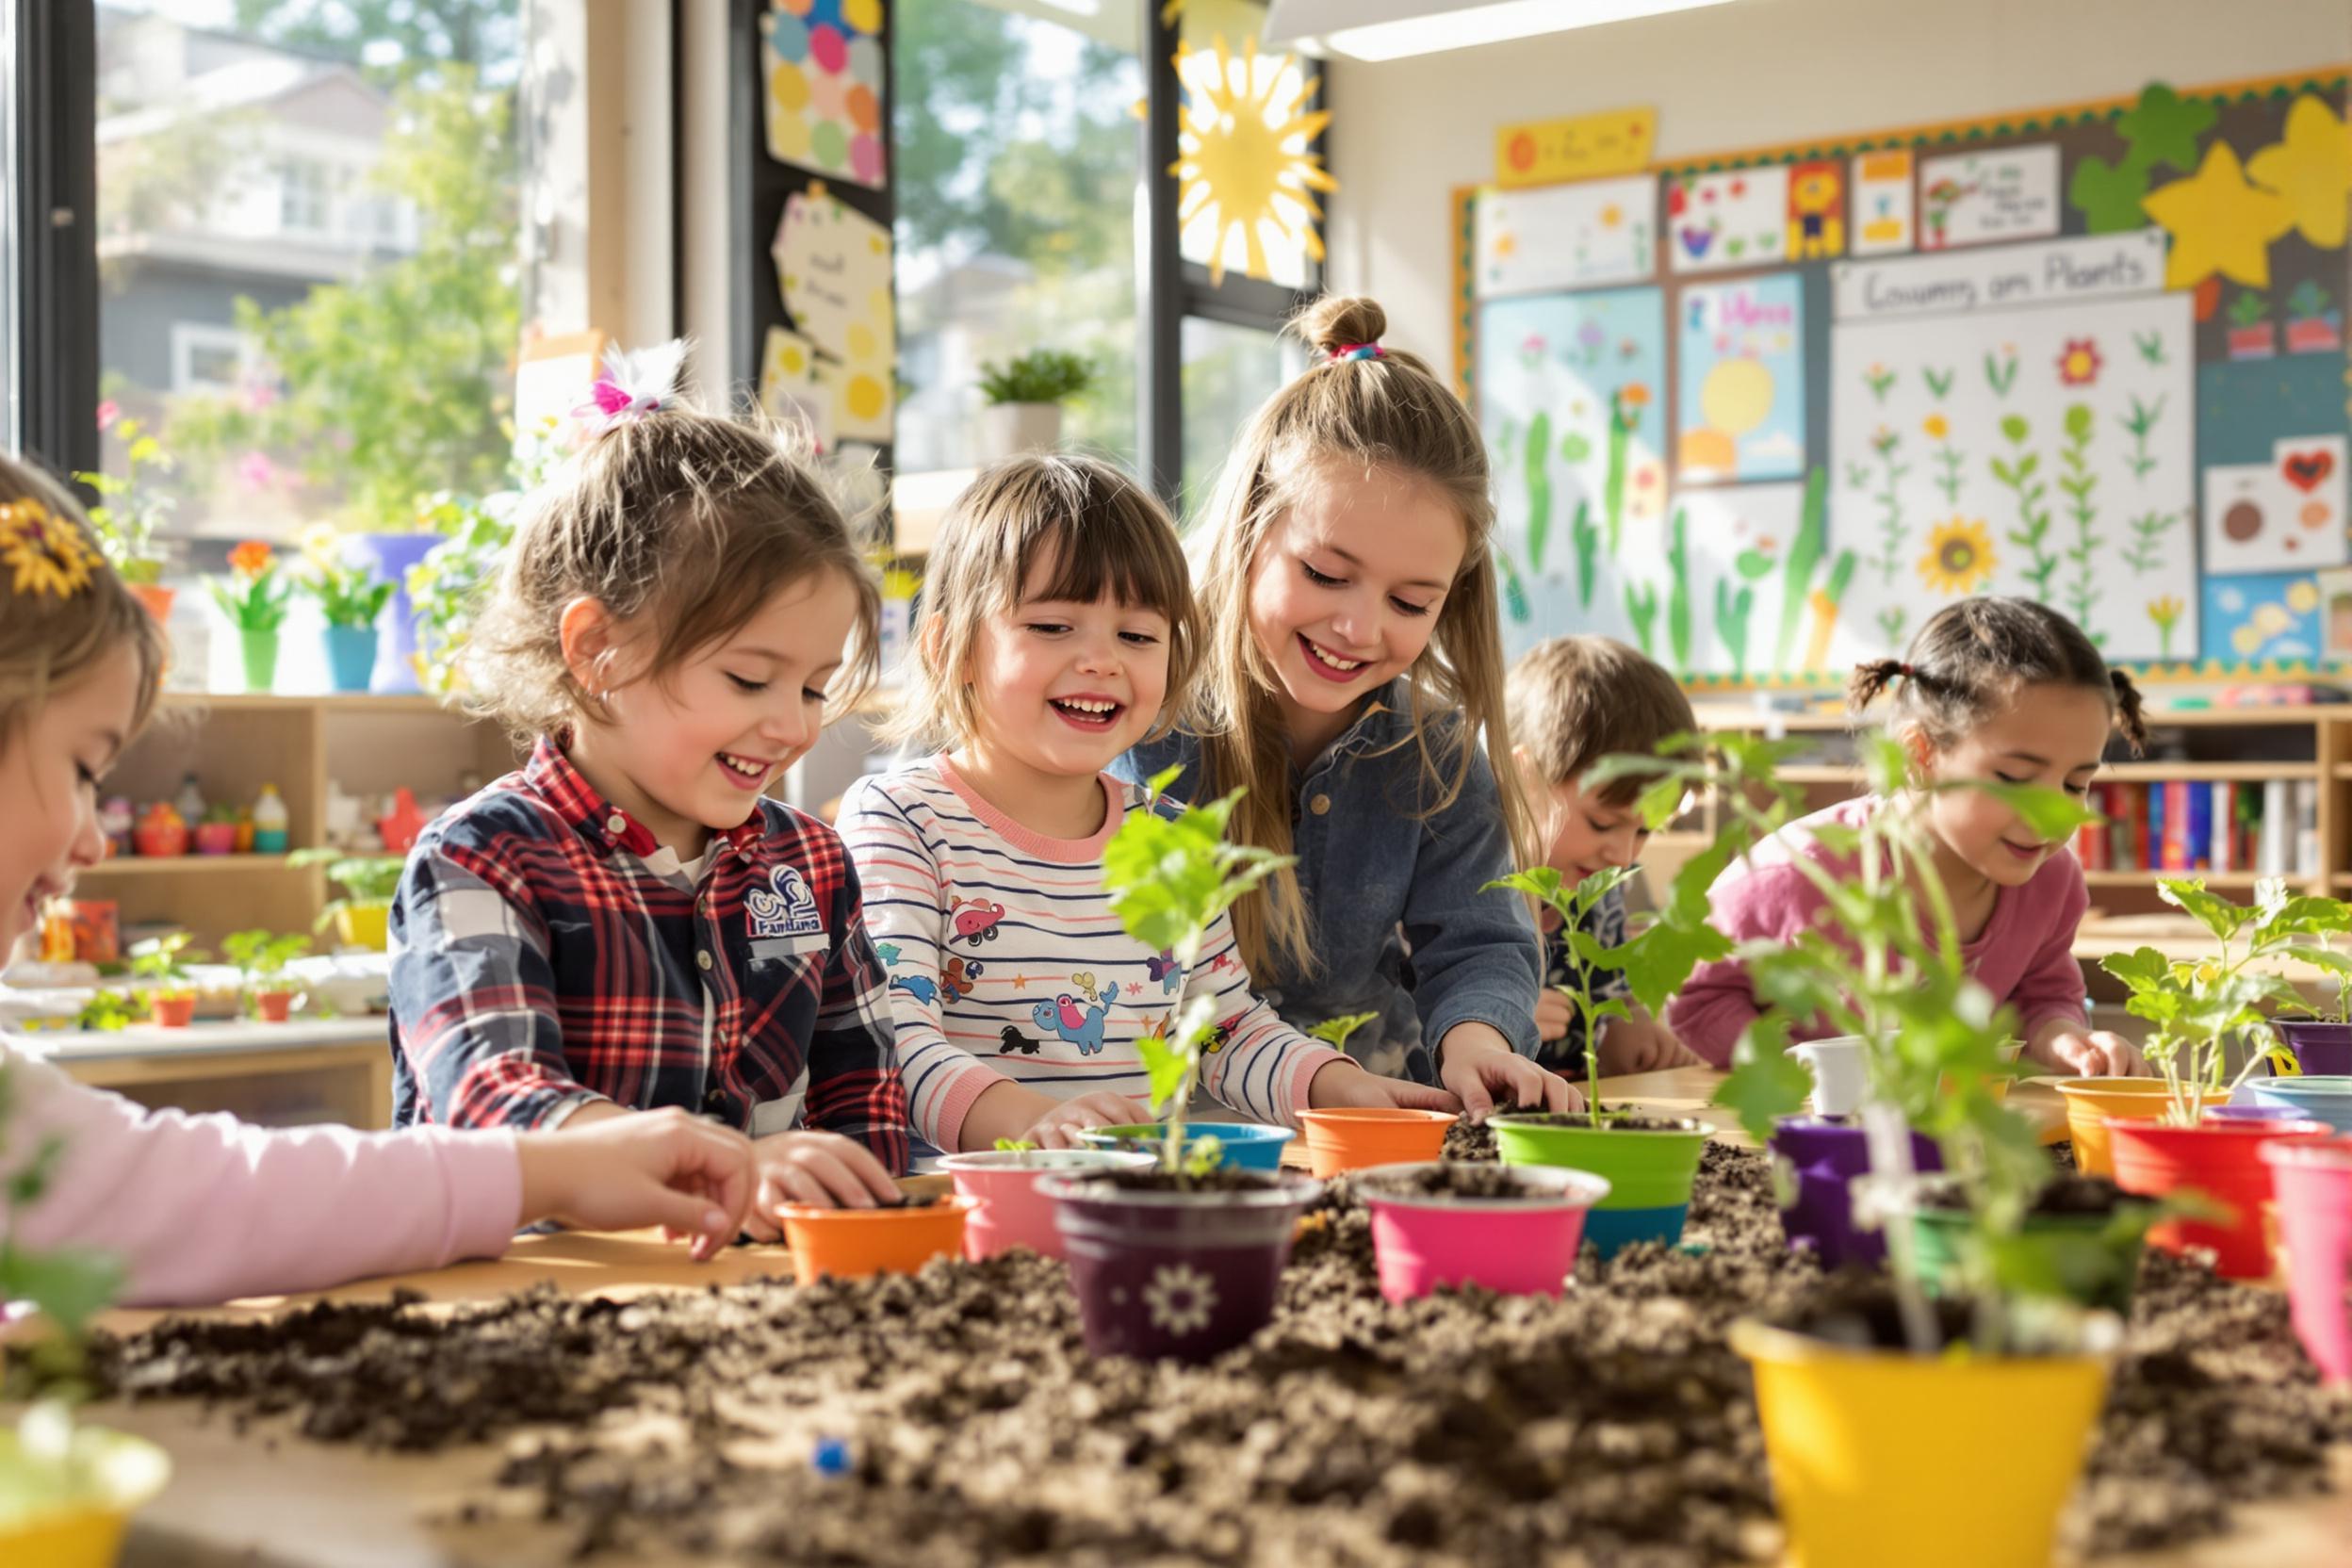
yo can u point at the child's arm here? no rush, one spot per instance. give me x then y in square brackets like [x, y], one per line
[855, 1085]
[1718, 1002]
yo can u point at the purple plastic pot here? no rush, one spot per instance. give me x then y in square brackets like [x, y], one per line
[2321, 1050]
[1182, 1275]
[2252, 1113]
[1824, 1158]
[391, 555]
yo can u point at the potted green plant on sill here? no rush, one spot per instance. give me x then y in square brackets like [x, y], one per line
[1024, 401]
[262, 956]
[254, 597]
[170, 990]
[349, 597]
[131, 509]
[448, 585]
[369, 882]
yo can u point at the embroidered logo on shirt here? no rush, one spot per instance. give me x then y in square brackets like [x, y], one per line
[790, 910]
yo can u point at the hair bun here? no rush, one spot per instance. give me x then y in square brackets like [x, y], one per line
[1341, 320]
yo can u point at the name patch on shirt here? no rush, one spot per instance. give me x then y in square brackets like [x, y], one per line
[783, 909]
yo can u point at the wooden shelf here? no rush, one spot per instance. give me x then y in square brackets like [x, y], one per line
[187, 865]
[2149, 878]
[321, 702]
[2207, 772]
[1722, 716]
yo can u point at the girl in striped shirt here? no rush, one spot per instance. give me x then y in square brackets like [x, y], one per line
[1058, 630]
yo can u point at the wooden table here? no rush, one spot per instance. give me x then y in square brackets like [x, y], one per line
[260, 1500]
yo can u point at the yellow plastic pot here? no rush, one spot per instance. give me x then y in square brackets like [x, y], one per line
[2091, 1100]
[365, 925]
[125, 1474]
[1881, 1458]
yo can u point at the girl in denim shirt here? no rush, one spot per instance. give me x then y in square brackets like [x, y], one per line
[1355, 686]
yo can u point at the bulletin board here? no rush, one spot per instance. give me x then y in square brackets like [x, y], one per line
[1762, 415]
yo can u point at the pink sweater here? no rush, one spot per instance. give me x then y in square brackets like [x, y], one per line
[204, 1208]
[2024, 956]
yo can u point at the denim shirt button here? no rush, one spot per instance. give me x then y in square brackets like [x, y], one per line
[1320, 805]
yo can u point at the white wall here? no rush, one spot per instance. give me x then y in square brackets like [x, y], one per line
[1754, 73]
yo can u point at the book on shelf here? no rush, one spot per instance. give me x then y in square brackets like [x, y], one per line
[2187, 827]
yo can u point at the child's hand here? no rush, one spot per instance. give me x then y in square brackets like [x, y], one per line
[1478, 1065]
[1341, 1085]
[1641, 1044]
[691, 1177]
[822, 1169]
[1059, 1127]
[2092, 1053]
[1553, 1014]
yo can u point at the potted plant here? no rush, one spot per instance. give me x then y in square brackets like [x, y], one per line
[163, 963]
[448, 585]
[253, 597]
[2320, 1043]
[888, 1238]
[1025, 398]
[350, 598]
[2200, 1010]
[1351, 1139]
[131, 509]
[368, 881]
[1003, 1182]
[262, 956]
[1511, 1228]
[390, 556]
[1181, 1261]
[2312, 328]
[216, 834]
[2250, 335]
[161, 831]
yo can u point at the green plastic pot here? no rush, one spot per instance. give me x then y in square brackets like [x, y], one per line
[1649, 1174]
[2095, 1274]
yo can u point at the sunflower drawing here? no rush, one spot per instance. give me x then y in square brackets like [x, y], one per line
[1959, 556]
[46, 553]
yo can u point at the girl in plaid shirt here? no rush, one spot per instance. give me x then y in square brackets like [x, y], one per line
[626, 922]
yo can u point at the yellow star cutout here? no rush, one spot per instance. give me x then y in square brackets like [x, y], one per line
[2310, 165]
[2218, 223]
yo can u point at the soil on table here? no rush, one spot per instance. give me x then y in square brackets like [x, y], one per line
[1462, 1180]
[1224, 1178]
[1611, 1427]
[1610, 1121]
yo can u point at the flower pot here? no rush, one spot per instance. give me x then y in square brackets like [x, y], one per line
[2222, 1160]
[2319, 1099]
[857, 1244]
[1841, 1072]
[2320, 1048]
[392, 555]
[159, 843]
[1185, 1275]
[2261, 342]
[1008, 430]
[2313, 1182]
[1350, 1139]
[1247, 1145]
[156, 599]
[259, 652]
[1012, 1212]
[1997, 1086]
[1649, 1172]
[1824, 1158]
[1524, 1245]
[172, 1012]
[2091, 1102]
[2252, 1113]
[121, 1474]
[273, 1007]
[351, 657]
[2315, 335]
[1880, 1456]
[367, 926]
[2095, 1268]
[216, 838]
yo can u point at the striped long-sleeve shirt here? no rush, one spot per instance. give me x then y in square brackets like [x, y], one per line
[1006, 961]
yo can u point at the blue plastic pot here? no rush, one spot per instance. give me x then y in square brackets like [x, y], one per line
[1247, 1145]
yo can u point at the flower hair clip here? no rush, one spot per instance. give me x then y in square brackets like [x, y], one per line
[1359, 351]
[632, 385]
[45, 553]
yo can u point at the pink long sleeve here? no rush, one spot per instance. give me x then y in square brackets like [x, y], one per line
[1748, 903]
[204, 1209]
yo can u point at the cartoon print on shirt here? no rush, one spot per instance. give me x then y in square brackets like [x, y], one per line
[1081, 1027]
[785, 907]
[957, 977]
[974, 919]
[920, 986]
[1083, 983]
[888, 953]
[1165, 970]
[1015, 1040]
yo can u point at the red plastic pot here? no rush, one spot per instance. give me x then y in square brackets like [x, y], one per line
[172, 1012]
[2220, 1159]
[159, 842]
[273, 1007]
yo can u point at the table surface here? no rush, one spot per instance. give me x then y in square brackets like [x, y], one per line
[260, 1497]
[238, 1035]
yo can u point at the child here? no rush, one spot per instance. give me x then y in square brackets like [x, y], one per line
[1057, 629]
[2000, 689]
[1574, 700]
[1355, 687]
[200, 1209]
[626, 922]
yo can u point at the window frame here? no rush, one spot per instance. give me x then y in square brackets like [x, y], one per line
[55, 364]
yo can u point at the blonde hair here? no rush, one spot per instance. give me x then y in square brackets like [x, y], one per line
[1101, 532]
[1575, 700]
[1386, 411]
[49, 640]
[685, 520]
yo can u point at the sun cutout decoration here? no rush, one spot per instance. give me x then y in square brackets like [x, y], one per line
[1245, 166]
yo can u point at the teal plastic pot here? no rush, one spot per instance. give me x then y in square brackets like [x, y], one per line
[1649, 1174]
[1247, 1145]
[2095, 1270]
[2327, 1099]
[351, 657]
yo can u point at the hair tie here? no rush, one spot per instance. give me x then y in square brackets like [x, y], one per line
[42, 553]
[1907, 672]
[630, 386]
[1359, 351]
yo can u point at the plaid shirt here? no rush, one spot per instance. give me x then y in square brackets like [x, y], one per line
[542, 957]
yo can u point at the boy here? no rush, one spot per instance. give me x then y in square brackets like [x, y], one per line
[1575, 700]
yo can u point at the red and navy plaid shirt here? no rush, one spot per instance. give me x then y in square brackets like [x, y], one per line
[544, 953]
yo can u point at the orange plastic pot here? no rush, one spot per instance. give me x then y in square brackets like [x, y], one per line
[173, 1012]
[1357, 1136]
[2091, 1102]
[273, 1007]
[157, 597]
[857, 1244]
[2224, 1161]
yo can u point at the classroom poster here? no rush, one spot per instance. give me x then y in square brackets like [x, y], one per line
[825, 87]
[1740, 413]
[833, 268]
[1882, 203]
[1718, 223]
[1566, 237]
[1990, 197]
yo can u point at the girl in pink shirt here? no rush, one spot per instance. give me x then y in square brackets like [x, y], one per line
[202, 1209]
[1994, 689]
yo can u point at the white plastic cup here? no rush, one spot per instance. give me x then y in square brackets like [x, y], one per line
[1841, 1074]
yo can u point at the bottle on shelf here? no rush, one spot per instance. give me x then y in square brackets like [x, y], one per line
[269, 822]
[190, 802]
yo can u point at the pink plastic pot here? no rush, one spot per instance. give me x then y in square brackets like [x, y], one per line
[1511, 1246]
[1012, 1212]
[2314, 1188]
[2220, 1159]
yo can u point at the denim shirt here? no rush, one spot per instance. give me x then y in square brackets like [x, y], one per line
[1393, 911]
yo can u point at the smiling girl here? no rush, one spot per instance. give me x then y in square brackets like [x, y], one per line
[1355, 687]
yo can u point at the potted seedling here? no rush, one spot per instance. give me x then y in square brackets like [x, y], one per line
[1511, 1228]
[171, 992]
[369, 882]
[1025, 398]
[262, 958]
[2203, 1012]
[1649, 1161]
[2250, 334]
[2320, 1043]
[1182, 1260]
[217, 833]
[1003, 1182]
[131, 508]
[1353, 1138]
[253, 597]
[67, 1491]
[2312, 328]
[888, 1238]
[349, 597]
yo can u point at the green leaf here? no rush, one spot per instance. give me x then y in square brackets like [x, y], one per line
[1659, 962]
[1765, 1083]
[69, 1286]
[2215, 913]
[1335, 1030]
[2142, 968]
[2051, 815]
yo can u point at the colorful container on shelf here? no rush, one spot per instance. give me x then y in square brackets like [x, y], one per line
[351, 657]
[2327, 1099]
[856, 1244]
[2313, 1184]
[257, 653]
[270, 821]
[1824, 1157]
[1012, 1212]
[1357, 1136]
[1247, 1145]
[2220, 1159]
[1524, 1245]
[2092, 1103]
[1649, 1174]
